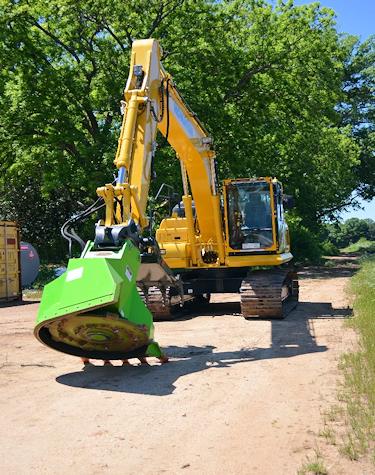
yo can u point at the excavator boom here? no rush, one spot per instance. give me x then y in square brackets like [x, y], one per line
[154, 103]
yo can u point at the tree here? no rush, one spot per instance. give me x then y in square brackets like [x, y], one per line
[64, 64]
[349, 232]
[265, 80]
[357, 109]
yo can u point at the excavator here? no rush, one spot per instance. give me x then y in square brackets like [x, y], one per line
[228, 239]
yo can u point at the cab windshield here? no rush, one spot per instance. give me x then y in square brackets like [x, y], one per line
[249, 215]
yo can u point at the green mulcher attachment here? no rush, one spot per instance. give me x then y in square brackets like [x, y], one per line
[94, 310]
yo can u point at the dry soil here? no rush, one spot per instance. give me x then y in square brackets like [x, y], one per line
[237, 397]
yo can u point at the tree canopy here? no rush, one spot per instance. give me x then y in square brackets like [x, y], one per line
[280, 90]
[351, 231]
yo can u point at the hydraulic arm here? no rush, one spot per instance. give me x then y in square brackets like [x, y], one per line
[153, 102]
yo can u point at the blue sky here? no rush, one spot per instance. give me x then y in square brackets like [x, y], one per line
[356, 17]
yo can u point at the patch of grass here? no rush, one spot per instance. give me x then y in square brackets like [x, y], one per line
[32, 294]
[334, 414]
[358, 392]
[361, 246]
[313, 466]
[350, 448]
[366, 257]
[328, 434]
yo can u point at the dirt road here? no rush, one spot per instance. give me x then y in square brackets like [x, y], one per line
[238, 397]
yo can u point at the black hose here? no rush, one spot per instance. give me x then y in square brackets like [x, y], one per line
[67, 230]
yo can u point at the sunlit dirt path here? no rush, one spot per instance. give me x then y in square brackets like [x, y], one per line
[237, 397]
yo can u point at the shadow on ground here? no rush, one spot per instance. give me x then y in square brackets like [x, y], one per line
[290, 337]
[344, 265]
[17, 303]
[327, 272]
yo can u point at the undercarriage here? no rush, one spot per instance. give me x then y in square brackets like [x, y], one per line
[270, 293]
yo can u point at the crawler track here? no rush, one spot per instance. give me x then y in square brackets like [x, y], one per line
[264, 294]
[161, 303]
[268, 294]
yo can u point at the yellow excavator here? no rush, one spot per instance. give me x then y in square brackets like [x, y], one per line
[233, 240]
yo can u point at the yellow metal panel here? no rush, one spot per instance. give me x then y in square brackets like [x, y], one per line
[172, 236]
[172, 229]
[9, 261]
[177, 255]
[174, 259]
[259, 260]
[188, 140]
[187, 200]
[274, 216]
[254, 260]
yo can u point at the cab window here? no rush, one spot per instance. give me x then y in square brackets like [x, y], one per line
[249, 215]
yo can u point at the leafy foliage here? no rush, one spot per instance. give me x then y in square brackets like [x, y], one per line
[358, 108]
[349, 232]
[329, 249]
[45, 276]
[281, 92]
[304, 242]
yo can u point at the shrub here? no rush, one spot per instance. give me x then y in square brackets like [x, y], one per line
[329, 249]
[304, 243]
[46, 275]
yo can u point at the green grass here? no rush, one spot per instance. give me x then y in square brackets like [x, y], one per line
[313, 466]
[361, 246]
[328, 434]
[334, 414]
[358, 392]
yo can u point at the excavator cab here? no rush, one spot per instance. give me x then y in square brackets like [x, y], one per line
[254, 217]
